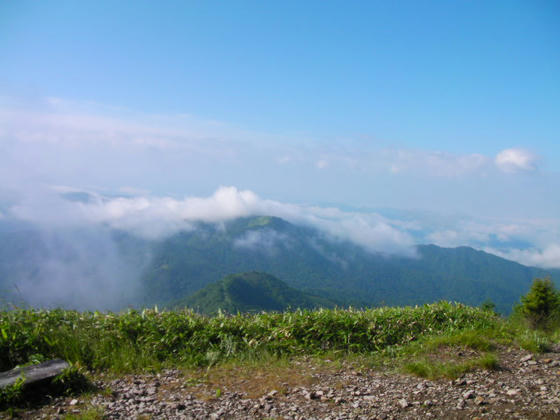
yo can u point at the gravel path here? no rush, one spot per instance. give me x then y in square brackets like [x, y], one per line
[524, 387]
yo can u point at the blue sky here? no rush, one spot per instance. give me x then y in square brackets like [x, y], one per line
[460, 76]
[436, 106]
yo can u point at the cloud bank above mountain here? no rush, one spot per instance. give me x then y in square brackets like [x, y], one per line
[532, 242]
[155, 174]
[157, 217]
[53, 141]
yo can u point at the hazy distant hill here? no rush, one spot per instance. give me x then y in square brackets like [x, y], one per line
[251, 292]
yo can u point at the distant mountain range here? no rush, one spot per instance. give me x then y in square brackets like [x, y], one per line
[172, 270]
[340, 271]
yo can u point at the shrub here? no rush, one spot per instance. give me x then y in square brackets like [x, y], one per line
[488, 305]
[541, 306]
[11, 394]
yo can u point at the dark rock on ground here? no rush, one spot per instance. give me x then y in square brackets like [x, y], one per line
[33, 373]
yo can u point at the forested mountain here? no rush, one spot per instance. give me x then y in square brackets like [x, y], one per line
[310, 261]
[108, 269]
[251, 292]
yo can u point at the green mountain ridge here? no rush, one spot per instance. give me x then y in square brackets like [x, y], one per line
[251, 292]
[338, 270]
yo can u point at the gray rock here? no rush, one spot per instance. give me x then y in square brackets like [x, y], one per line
[468, 394]
[403, 403]
[33, 373]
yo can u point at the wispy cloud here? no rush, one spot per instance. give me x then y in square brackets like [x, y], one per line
[74, 124]
[267, 241]
[516, 160]
[530, 241]
[75, 127]
[434, 163]
[81, 269]
[155, 217]
[549, 257]
[105, 148]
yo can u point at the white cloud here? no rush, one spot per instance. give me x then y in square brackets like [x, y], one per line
[159, 216]
[153, 217]
[549, 257]
[76, 128]
[432, 163]
[264, 240]
[370, 230]
[529, 241]
[73, 127]
[446, 238]
[106, 148]
[464, 232]
[504, 233]
[516, 160]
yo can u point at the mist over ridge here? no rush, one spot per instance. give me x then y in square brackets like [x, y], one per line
[87, 250]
